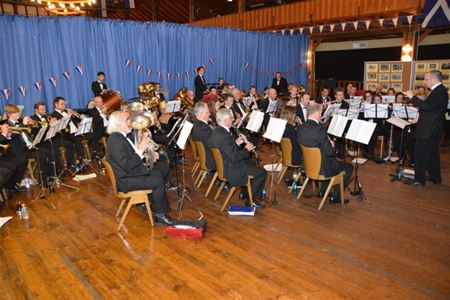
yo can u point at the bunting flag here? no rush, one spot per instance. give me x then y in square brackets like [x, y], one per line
[282, 32]
[212, 61]
[355, 24]
[149, 72]
[291, 31]
[128, 63]
[169, 76]
[80, 69]
[254, 68]
[437, 13]
[395, 21]
[332, 27]
[38, 85]
[67, 75]
[301, 30]
[159, 74]
[367, 24]
[343, 25]
[320, 28]
[188, 74]
[138, 68]
[22, 89]
[178, 75]
[6, 93]
[195, 71]
[204, 67]
[53, 80]
[311, 28]
[409, 18]
[381, 22]
[246, 65]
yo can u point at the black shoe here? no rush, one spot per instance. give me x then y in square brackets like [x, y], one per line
[171, 187]
[165, 220]
[417, 184]
[226, 187]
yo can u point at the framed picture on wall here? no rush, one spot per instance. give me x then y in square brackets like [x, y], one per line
[432, 66]
[384, 86]
[371, 86]
[397, 67]
[372, 76]
[385, 67]
[372, 67]
[445, 77]
[419, 77]
[396, 77]
[385, 77]
[421, 67]
[445, 66]
[398, 87]
[417, 86]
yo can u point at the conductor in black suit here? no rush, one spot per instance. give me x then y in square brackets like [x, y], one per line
[202, 131]
[428, 127]
[312, 134]
[236, 164]
[126, 160]
[280, 84]
[200, 84]
[99, 86]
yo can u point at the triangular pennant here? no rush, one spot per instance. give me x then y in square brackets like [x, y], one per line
[409, 18]
[195, 70]
[355, 25]
[204, 67]
[53, 80]
[395, 21]
[283, 31]
[178, 75]
[343, 25]
[6, 93]
[291, 31]
[159, 74]
[80, 69]
[367, 24]
[169, 76]
[149, 72]
[212, 61]
[320, 28]
[138, 68]
[332, 27]
[188, 74]
[311, 28]
[128, 63]
[38, 85]
[67, 75]
[254, 69]
[381, 22]
[301, 30]
[22, 89]
[246, 65]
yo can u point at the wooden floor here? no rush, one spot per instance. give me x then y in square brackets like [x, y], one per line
[395, 244]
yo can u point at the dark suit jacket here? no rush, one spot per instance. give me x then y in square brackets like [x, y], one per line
[320, 99]
[282, 87]
[200, 87]
[201, 132]
[97, 122]
[236, 106]
[296, 154]
[299, 113]
[59, 116]
[344, 105]
[233, 157]
[311, 134]
[432, 111]
[96, 89]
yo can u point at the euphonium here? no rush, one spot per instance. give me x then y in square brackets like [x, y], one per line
[140, 122]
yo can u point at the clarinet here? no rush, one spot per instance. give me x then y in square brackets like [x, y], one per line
[252, 152]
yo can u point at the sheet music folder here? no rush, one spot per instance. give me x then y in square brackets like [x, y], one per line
[360, 131]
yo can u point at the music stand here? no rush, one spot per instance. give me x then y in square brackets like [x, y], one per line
[402, 124]
[84, 127]
[274, 132]
[360, 132]
[173, 106]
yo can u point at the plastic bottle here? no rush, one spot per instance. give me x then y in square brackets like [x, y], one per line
[24, 211]
[263, 194]
[19, 209]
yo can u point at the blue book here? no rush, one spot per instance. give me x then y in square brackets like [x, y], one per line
[237, 210]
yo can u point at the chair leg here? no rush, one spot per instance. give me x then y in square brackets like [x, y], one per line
[219, 190]
[202, 179]
[341, 185]
[31, 170]
[303, 188]
[330, 186]
[194, 168]
[120, 207]
[281, 174]
[149, 212]
[211, 184]
[299, 176]
[199, 175]
[230, 194]
[249, 191]
[125, 214]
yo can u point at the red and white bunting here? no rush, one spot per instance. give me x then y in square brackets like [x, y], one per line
[367, 22]
[159, 74]
[301, 30]
[138, 68]
[381, 22]
[53, 80]
[67, 75]
[332, 27]
[409, 18]
[320, 28]
[22, 89]
[355, 25]
[80, 69]
[283, 31]
[254, 68]
[395, 21]
[291, 31]
[212, 61]
[246, 65]
[343, 26]
[188, 74]
[169, 76]
[311, 28]
[178, 75]
[38, 85]
[128, 63]
[204, 67]
[149, 72]
[6, 93]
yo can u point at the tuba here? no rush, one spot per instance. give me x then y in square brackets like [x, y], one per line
[147, 94]
[185, 101]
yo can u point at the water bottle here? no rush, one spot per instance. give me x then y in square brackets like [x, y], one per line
[24, 212]
[263, 194]
[19, 209]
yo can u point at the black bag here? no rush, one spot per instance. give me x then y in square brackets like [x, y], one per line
[194, 223]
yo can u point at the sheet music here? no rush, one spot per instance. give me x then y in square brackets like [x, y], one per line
[25, 139]
[337, 125]
[357, 106]
[184, 134]
[84, 126]
[3, 220]
[255, 122]
[38, 137]
[375, 111]
[360, 131]
[398, 122]
[248, 100]
[275, 129]
[62, 123]
[51, 131]
[173, 106]
[242, 120]
[272, 106]
[388, 99]
[405, 112]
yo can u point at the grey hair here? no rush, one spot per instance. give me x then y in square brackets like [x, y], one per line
[436, 74]
[313, 108]
[222, 114]
[199, 108]
[115, 119]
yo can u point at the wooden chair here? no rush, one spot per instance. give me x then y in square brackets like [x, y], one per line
[87, 152]
[103, 141]
[381, 139]
[203, 168]
[286, 155]
[134, 197]
[32, 164]
[220, 174]
[194, 156]
[313, 159]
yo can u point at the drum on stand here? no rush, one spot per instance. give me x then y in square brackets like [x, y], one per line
[112, 100]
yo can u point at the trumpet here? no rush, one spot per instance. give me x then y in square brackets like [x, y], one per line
[74, 113]
[19, 130]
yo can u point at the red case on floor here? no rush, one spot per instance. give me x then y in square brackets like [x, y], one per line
[189, 233]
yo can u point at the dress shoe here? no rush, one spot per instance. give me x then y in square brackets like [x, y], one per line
[163, 219]
[417, 184]
[256, 203]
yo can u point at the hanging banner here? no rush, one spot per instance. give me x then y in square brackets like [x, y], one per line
[395, 21]
[80, 69]
[67, 75]
[6, 93]
[53, 80]
[22, 89]
[38, 85]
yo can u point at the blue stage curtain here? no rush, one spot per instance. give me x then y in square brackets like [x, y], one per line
[36, 48]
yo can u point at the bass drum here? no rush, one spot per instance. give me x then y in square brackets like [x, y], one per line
[112, 100]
